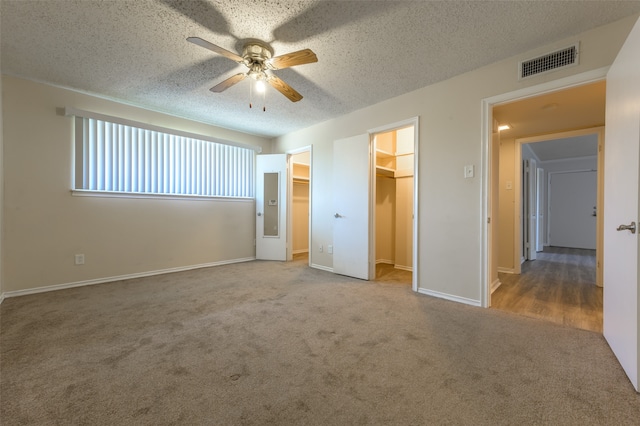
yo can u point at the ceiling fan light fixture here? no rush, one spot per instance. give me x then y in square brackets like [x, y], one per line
[260, 86]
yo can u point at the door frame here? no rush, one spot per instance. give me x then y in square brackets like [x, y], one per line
[599, 131]
[290, 153]
[415, 122]
[487, 105]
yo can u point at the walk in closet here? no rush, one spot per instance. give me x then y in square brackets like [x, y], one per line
[300, 203]
[394, 198]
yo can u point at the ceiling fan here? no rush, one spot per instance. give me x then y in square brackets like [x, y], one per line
[258, 57]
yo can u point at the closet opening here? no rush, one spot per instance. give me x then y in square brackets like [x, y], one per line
[393, 205]
[300, 207]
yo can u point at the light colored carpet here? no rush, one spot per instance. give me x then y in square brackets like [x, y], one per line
[280, 343]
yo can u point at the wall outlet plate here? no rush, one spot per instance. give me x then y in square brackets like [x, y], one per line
[468, 171]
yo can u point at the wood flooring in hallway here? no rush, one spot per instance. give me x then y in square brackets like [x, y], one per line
[559, 286]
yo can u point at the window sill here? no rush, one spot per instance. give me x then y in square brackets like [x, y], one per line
[116, 194]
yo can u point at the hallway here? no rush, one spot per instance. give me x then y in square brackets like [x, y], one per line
[559, 286]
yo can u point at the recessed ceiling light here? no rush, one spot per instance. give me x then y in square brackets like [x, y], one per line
[503, 127]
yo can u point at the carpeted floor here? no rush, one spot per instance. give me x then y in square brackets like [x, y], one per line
[279, 343]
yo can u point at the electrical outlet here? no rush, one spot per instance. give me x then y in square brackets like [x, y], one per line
[79, 259]
[468, 171]
[320, 248]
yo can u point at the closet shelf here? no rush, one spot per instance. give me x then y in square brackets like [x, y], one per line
[384, 154]
[385, 171]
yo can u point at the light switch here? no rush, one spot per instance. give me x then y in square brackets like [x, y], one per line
[468, 171]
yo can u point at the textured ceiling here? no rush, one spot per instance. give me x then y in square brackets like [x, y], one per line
[368, 51]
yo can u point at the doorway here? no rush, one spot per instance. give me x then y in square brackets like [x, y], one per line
[300, 205]
[393, 205]
[546, 114]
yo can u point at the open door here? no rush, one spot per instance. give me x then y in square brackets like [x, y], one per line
[351, 188]
[621, 210]
[271, 211]
[540, 209]
[530, 198]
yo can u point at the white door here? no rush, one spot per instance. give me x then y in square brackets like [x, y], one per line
[622, 139]
[271, 211]
[351, 188]
[530, 197]
[540, 209]
[572, 198]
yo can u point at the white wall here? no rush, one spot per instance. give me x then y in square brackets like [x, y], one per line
[450, 207]
[45, 225]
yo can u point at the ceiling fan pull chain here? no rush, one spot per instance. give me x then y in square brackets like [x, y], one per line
[264, 101]
[250, 95]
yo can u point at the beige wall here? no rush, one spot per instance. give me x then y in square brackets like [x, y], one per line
[450, 207]
[300, 222]
[1, 195]
[45, 225]
[507, 196]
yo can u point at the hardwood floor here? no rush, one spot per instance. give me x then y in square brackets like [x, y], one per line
[559, 286]
[387, 273]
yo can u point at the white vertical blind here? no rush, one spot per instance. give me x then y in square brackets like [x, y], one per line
[121, 158]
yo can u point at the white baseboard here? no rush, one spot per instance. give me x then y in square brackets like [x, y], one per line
[450, 297]
[55, 287]
[300, 251]
[404, 268]
[322, 268]
[387, 261]
[1, 298]
[507, 270]
[495, 285]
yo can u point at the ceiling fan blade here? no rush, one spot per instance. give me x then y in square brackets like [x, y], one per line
[228, 83]
[292, 59]
[284, 88]
[217, 49]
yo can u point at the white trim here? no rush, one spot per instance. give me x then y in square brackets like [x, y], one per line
[386, 261]
[321, 267]
[487, 105]
[75, 112]
[1, 298]
[450, 297]
[56, 287]
[495, 284]
[560, 160]
[506, 270]
[190, 197]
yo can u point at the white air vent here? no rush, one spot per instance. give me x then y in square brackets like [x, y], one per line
[553, 61]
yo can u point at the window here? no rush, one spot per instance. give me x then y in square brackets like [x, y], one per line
[115, 156]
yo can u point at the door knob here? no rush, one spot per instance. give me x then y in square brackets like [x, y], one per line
[631, 228]
[259, 214]
[337, 215]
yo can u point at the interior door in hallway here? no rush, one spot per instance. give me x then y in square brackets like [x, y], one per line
[572, 198]
[271, 211]
[351, 189]
[530, 198]
[622, 138]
